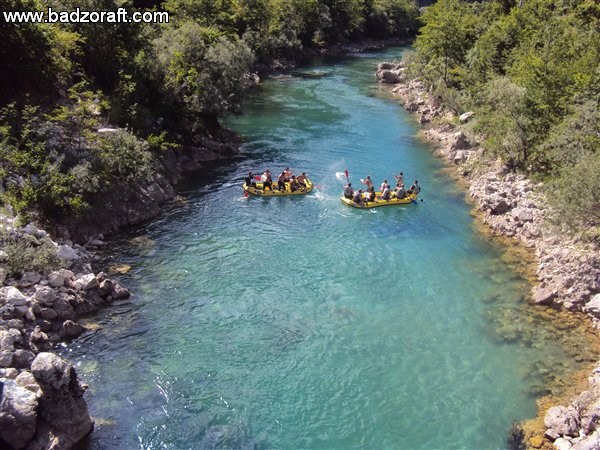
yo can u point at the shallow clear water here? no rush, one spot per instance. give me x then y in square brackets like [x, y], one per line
[291, 323]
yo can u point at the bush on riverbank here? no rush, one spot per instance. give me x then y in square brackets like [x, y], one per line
[23, 253]
[530, 72]
[54, 163]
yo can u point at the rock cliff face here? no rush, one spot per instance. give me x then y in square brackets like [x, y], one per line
[41, 399]
[128, 204]
[512, 205]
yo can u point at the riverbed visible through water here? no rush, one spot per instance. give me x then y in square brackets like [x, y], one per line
[301, 323]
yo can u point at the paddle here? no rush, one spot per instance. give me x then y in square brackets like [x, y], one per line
[347, 178]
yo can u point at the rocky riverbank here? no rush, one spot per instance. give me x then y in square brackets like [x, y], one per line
[130, 204]
[41, 398]
[510, 204]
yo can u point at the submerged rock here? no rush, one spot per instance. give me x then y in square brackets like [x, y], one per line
[543, 296]
[119, 269]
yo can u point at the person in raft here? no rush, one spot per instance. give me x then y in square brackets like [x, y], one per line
[250, 180]
[386, 194]
[267, 180]
[348, 191]
[357, 198]
[367, 181]
[281, 181]
[415, 188]
[400, 192]
[399, 179]
[370, 195]
[383, 186]
[301, 179]
[288, 174]
[294, 185]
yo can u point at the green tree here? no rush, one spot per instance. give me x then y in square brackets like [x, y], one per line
[207, 13]
[491, 53]
[575, 138]
[36, 57]
[446, 36]
[346, 19]
[78, 120]
[313, 18]
[36, 181]
[503, 121]
[123, 158]
[387, 18]
[252, 15]
[202, 69]
[575, 194]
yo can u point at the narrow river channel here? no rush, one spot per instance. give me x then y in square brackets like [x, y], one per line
[300, 323]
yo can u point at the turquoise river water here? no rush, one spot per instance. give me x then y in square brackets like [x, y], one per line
[300, 323]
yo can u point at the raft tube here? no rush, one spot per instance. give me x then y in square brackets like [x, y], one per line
[393, 201]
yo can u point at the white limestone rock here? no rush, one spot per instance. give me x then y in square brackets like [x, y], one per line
[87, 282]
[464, 117]
[13, 296]
[563, 420]
[593, 306]
[67, 253]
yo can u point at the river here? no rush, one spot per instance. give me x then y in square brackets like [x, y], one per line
[300, 323]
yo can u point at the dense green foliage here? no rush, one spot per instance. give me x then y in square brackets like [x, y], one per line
[531, 71]
[57, 162]
[162, 84]
[22, 253]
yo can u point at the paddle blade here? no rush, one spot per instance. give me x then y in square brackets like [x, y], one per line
[346, 173]
[245, 193]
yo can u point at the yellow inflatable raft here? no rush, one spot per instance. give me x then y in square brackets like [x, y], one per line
[393, 201]
[258, 190]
